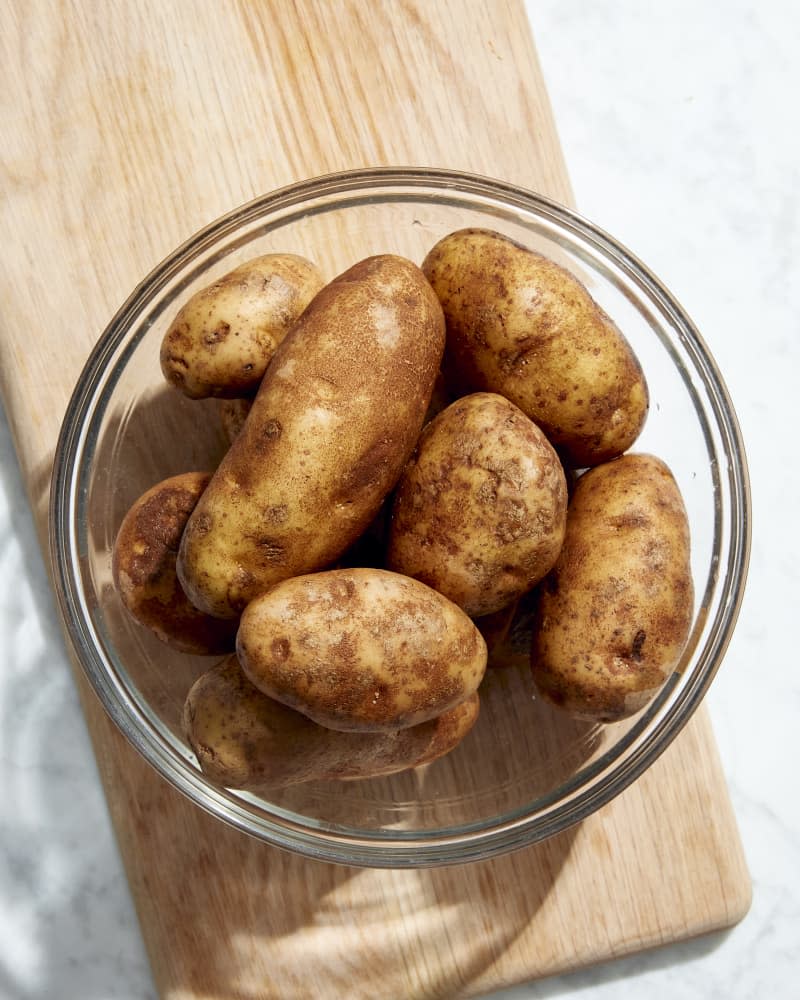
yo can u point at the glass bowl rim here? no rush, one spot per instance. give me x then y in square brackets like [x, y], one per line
[489, 838]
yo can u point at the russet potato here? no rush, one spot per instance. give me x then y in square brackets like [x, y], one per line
[520, 325]
[143, 568]
[232, 415]
[615, 611]
[336, 417]
[244, 739]
[480, 510]
[223, 338]
[360, 649]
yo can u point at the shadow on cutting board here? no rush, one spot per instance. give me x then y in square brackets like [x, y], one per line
[249, 922]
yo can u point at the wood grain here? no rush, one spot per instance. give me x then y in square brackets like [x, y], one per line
[126, 128]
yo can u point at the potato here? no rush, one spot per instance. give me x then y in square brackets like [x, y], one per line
[615, 612]
[143, 568]
[243, 739]
[360, 649]
[222, 340]
[336, 418]
[232, 415]
[520, 325]
[480, 510]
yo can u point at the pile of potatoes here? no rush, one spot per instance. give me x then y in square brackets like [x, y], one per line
[402, 442]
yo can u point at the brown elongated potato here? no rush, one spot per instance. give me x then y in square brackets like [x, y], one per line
[336, 418]
[360, 649]
[222, 340]
[143, 568]
[243, 739]
[480, 510]
[614, 613]
[520, 325]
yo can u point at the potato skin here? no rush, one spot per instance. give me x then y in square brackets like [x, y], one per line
[232, 415]
[243, 739]
[520, 325]
[143, 568]
[222, 340]
[480, 510]
[360, 650]
[615, 612]
[336, 418]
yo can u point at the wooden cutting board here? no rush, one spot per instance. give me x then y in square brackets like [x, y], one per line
[127, 127]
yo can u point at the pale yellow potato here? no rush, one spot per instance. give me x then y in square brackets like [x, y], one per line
[360, 649]
[143, 568]
[243, 739]
[480, 510]
[520, 325]
[223, 338]
[615, 612]
[334, 422]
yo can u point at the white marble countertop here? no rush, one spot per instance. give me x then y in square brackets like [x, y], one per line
[680, 127]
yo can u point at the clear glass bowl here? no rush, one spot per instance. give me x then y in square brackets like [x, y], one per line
[525, 772]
